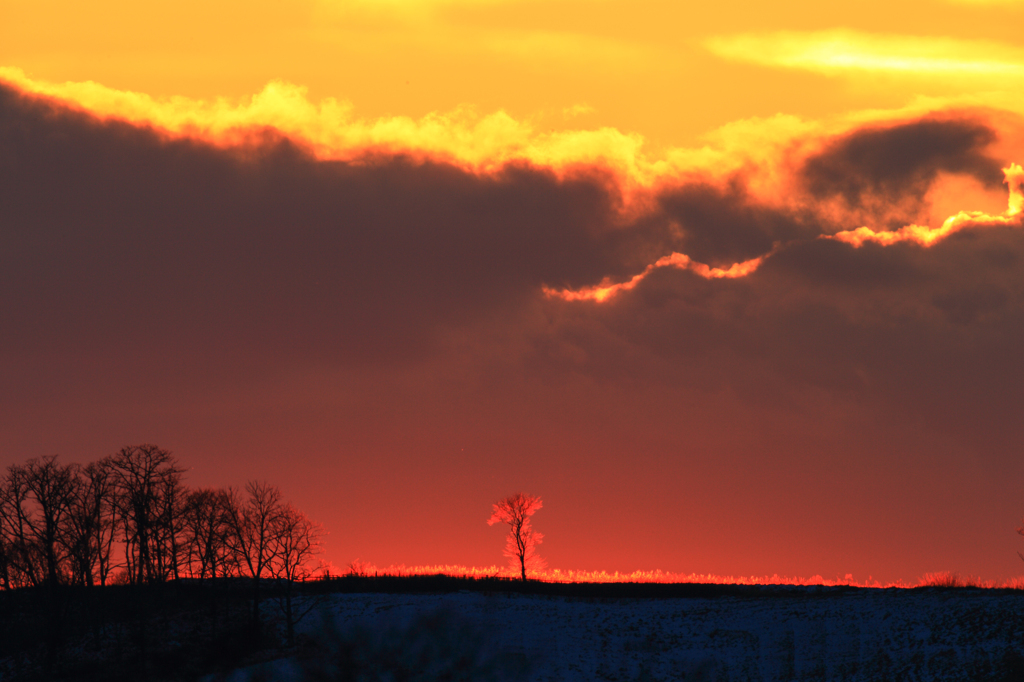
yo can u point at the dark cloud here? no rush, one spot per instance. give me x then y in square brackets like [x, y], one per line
[921, 335]
[721, 226]
[965, 307]
[825, 262]
[120, 243]
[117, 233]
[886, 167]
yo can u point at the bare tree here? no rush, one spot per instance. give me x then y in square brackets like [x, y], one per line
[1020, 531]
[25, 554]
[6, 547]
[296, 542]
[19, 563]
[520, 547]
[168, 541]
[47, 491]
[90, 527]
[207, 517]
[254, 525]
[148, 486]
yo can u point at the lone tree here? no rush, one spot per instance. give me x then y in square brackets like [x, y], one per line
[520, 548]
[1021, 532]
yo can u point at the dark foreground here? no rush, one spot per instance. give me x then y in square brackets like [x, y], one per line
[437, 628]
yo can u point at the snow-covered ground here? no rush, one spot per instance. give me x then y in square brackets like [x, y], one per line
[798, 633]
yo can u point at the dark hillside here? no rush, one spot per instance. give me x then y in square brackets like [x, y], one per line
[191, 629]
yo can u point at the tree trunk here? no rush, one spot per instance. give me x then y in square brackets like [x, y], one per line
[288, 614]
[256, 603]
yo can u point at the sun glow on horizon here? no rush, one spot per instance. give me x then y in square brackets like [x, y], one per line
[555, 575]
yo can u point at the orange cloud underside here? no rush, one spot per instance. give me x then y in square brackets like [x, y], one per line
[606, 289]
[922, 235]
[927, 236]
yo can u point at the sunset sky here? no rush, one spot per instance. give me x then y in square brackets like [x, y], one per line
[737, 288]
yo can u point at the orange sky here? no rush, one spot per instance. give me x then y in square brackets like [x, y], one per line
[668, 71]
[763, 270]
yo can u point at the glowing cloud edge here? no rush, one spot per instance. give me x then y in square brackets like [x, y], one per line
[477, 144]
[921, 235]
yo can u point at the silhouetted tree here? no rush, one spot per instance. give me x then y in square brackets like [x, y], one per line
[520, 547]
[168, 545]
[148, 484]
[207, 517]
[90, 526]
[48, 492]
[1020, 530]
[21, 556]
[296, 542]
[254, 524]
[6, 547]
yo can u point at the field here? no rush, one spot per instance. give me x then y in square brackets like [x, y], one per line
[662, 632]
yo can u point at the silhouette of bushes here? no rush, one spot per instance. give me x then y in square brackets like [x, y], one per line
[948, 579]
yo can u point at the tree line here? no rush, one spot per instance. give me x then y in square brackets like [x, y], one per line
[129, 518]
[198, 561]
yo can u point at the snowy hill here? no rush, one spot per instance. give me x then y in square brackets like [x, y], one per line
[770, 633]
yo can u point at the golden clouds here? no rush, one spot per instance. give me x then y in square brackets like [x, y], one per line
[1003, 3]
[329, 129]
[749, 194]
[927, 236]
[1015, 180]
[478, 142]
[643, 67]
[918, 234]
[842, 52]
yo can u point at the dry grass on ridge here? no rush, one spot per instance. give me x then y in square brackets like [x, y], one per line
[937, 579]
